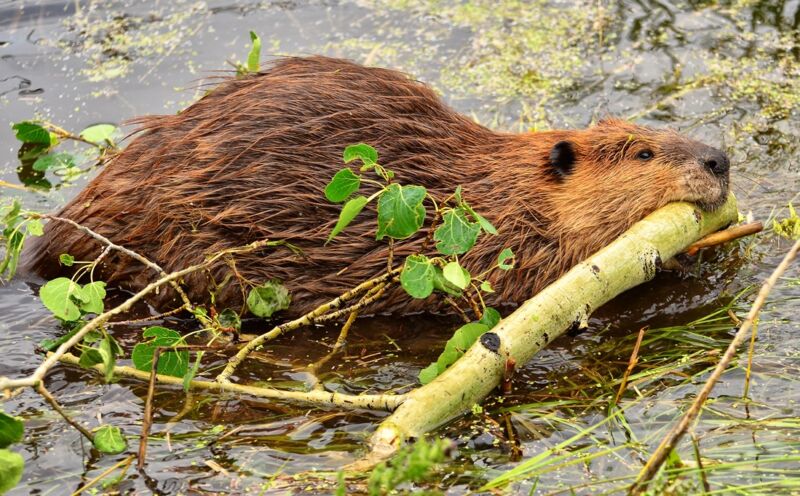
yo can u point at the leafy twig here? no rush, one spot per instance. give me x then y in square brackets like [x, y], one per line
[36, 377]
[316, 315]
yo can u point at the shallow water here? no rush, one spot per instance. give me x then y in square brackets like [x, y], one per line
[727, 73]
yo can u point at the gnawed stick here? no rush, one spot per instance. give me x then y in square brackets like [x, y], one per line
[724, 236]
[627, 262]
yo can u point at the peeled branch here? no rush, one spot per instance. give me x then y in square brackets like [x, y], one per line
[630, 260]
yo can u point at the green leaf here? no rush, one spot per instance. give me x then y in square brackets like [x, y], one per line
[108, 439]
[344, 183]
[440, 283]
[11, 430]
[52, 344]
[66, 259]
[11, 467]
[11, 215]
[109, 349]
[456, 234]
[349, 212]
[99, 134]
[31, 132]
[190, 375]
[362, 151]
[14, 244]
[428, 374]
[268, 298]
[464, 337]
[490, 318]
[54, 161]
[417, 276]
[485, 224]
[95, 293]
[457, 275]
[174, 362]
[400, 211]
[35, 227]
[503, 259]
[90, 357]
[486, 287]
[467, 334]
[60, 296]
[254, 57]
[229, 319]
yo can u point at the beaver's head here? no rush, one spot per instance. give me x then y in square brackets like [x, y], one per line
[639, 169]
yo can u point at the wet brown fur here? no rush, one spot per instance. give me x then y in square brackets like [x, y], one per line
[250, 161]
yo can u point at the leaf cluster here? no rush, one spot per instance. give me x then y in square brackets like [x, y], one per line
[16, 226]
[788, 228]
[412, 463]
[40, 140]
[401, 213]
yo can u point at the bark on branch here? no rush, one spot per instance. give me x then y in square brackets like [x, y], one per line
[627, 262]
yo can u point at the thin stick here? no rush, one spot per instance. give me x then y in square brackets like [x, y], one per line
[20, 187]
[458, 309]
[53, 403]
[703, 478]
[36, 377]
[124, 462]
[99, 237]
[631, 365]
[147, 420]
[379, 402]
[725, 236]
[671, 439]
[313, 369]
[309, 318]
[750, 351]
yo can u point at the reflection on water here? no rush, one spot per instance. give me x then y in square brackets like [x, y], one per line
[726, 72]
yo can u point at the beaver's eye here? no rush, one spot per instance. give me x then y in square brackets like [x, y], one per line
[644, 155]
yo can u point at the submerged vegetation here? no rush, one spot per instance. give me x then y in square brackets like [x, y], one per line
[582, 418]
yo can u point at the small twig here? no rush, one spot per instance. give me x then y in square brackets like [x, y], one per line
[390, 256]
[380, 402]
[671, 439]
[125, 462]
[36, 377]
[313, 369]
[147, 419]
[721, 237]
[750, 351]
[147, 319]
[20, 187]
[99, 237]
[315, 316]
[54, 404]
[634, 359]
[458, 309]
[703, 478]
[371, 296]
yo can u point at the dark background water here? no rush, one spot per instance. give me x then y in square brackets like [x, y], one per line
[727, 73]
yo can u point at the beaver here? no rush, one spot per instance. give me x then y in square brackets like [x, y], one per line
[250, 161]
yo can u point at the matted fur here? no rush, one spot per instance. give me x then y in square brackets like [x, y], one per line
[250, 160]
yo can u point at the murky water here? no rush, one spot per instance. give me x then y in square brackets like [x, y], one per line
[726, 72]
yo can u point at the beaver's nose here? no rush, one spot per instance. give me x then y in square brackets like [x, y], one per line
[717, 161]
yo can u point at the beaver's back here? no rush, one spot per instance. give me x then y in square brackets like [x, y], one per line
[250, 161]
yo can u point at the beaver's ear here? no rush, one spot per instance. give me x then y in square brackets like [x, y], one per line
[562, 158]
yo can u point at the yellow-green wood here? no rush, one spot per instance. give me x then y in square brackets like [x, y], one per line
[627, 262]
